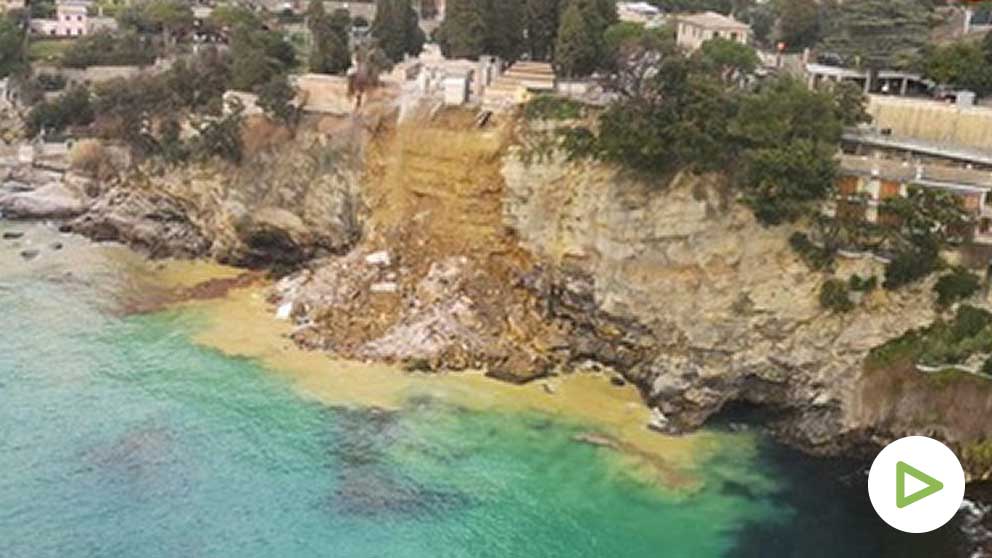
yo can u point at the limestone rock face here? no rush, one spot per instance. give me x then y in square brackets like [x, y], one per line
[155, 223]
[685, 293]
[280, 208]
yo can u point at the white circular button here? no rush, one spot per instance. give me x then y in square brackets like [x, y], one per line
[916, 484]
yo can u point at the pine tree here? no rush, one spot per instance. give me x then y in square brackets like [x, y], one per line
[584, 43]
[576, 51]
[542, 27]
[462, 34]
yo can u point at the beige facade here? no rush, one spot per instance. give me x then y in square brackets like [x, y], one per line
[694, 30]
[933, 121]
[865, 183]
[7, 5]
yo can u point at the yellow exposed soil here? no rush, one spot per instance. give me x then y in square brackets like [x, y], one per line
[241, 324]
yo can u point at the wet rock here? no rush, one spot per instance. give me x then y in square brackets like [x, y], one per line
[56, 245]
[618, 381]
[29, 254]
[12, 235]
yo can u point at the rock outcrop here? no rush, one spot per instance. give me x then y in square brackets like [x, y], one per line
[53, 201]
[685, 293]
[282, 208]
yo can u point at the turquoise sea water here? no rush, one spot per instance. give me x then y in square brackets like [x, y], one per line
[121, 437]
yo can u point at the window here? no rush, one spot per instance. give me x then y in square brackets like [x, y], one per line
[79, 18]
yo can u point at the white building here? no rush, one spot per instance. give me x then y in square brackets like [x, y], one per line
[72, 19]
[694, 30]
[638, 12]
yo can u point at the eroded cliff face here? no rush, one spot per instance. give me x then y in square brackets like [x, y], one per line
[711, 308]
[444, 246]
[281, 208]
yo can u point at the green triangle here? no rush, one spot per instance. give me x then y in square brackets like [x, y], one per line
[902, 469]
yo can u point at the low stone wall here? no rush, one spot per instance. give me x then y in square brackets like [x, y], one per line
[324, 94]
[934, 121]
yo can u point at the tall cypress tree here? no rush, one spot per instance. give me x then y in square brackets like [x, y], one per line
[584, 45]
[576, 52]
[330, 51]
[463, 32]
[475, 27]
[542, 27]
[397, 29]
[504, 24]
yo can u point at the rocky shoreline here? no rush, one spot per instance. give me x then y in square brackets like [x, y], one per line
[476, 257]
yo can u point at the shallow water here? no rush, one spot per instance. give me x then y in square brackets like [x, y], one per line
[135, 436]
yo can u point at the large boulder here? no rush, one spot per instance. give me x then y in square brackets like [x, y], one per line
[52, 201]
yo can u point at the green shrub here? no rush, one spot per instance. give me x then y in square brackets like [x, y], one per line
[816, 258]
[987, 367]
[578, 142]
[908, 267]
[51, 82]
[969, 322]
[73, 108]
[957, 285]
[940, 343]
[857, 283]
[106, 48]
[834, 296]
[548, 107]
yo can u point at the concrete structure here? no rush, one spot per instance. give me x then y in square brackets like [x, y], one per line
[72, 19]
[99, 74]
[514, 86]
[456, 89]
[8, 96]
[693, 30]
[247, 101]
[888, 81]
[364, 10]
[867, 182]
[946, 126]
[324, 94]
[639, 12]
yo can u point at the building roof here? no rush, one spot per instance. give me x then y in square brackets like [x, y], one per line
[713, 20]
[639, 7]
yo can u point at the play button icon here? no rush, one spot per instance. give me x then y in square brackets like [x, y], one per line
[916, 484]
[930, 484]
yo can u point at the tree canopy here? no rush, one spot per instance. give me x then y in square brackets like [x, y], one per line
[581, 46]
[542, 22]
[397, 29]
[257, 56]
[962, 64]
[12, 53]
[878, 34]
[475, 27]
[799, 23]
[330, 52]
